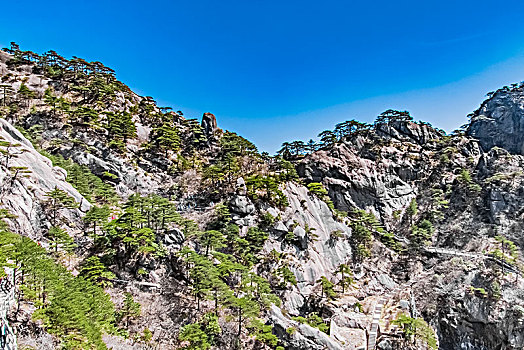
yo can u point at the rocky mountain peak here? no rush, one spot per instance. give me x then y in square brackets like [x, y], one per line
[407, 131]
[499, 122]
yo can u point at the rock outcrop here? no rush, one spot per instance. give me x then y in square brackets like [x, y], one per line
[499, 122]
[378, 179]
[25, 183]
[209, 124]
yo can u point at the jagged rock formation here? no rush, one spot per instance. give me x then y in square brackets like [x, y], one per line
[358, 172]
[500, 121]
[383, 179]
[316, 253]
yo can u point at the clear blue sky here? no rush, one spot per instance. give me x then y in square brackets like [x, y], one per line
[286, 70]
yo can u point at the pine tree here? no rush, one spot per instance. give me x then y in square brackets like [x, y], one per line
[346, 276]
[60, 238]
[197, 338]
[416, 328]
[130, 309]
[93, 270]
[212, 239]
[421, 233]
[256, 238]
[246, 309]
[58, 200]
[412, 210]
[166, 138]
[201, 274]
[327, 288]
[10, 150]
[97, 216]
[26, 94]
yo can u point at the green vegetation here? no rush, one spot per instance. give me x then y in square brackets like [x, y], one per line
[466, 179]
[130, 309]
[263, 333]
[223, 274]
[318, 190]
[287, 276]
[363, 225]
[328, 288]
[165, 137]
[345, 129]
[92, 269]
[266, 188]
[314, 320]
[57, 200]
[72, 308]
[503, 177]
[201, 335]
[346, 278]
[134, 232]
[507, 251]
[438, 203]
[92, 187]
[9, 151]
[392, 115]
[421, 233]
[478, 291]
[416, 328]
[412, 210]
[60, 239]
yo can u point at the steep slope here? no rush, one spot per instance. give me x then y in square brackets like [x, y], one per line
[27, 176]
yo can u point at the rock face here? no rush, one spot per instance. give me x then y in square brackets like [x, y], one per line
[209, 124]
[407, 131]
[304, 336]
[381, 182]
[500, 121]
[242, 205]
[24, 193]
[129, 179]
[318, 255]
[313, 254]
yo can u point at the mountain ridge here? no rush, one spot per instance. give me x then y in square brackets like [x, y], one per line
[223, 247]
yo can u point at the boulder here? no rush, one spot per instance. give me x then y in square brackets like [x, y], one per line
[400, 130]
[280, 228]
[209, 124]
[241, 188]
[301, 236]
[174, 237]
[242, 205]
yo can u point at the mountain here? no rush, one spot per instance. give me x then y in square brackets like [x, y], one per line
[126, 225]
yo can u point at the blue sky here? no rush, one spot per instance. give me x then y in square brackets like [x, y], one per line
[285, 70]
